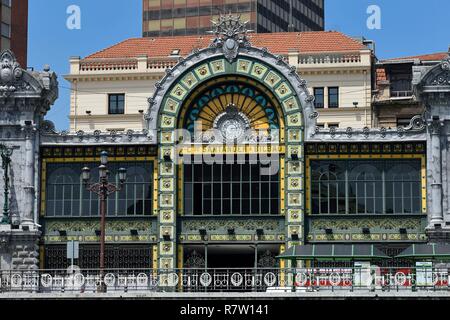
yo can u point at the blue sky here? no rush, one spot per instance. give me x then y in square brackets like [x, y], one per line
[408, 27]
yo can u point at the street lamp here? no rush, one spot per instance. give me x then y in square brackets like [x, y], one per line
[103, 188]
[6, 154]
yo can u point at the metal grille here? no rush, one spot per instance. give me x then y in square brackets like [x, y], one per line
[237, 189]
[116, 257]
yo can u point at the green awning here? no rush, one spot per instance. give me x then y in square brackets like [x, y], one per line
[426, 251]
[333, 252]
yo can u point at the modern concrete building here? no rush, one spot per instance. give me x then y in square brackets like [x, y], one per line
[14, 28]
[193, 17]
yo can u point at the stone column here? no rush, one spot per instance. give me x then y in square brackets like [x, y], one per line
[437, 213]
[29, 178]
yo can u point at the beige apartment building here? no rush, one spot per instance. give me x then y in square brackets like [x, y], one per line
[110, 88]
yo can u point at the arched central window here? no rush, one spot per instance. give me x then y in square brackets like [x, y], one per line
[248, 100]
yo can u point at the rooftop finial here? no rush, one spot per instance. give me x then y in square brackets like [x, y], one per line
[231, 33]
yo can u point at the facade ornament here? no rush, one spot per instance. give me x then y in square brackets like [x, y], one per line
[48, 127]
[333, 132]
[267, 260]
[310, 98]
[151, 102]
[232, 124]
[28, 130]
[130, 134]
[181, 61]
[195, 51]
[292, 70]
[10, 73]
[231, 34]
[314, 115]
[417, 123]
[80, 134]
[435, 126]
[113, 134]
[349, 132]
[383, 132]
[280, 59]
[195, 260]
[366, 132]
[97, 134]
[302, 84]
[148, 117]
[264, 52]
[400, 131]
[446, 65]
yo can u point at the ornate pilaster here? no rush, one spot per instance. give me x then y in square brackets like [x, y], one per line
[25, 98]
[432, 87]
[29, 175]
[437, 218]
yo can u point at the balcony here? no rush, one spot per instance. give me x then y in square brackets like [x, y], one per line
[334, 60]
[401, 94]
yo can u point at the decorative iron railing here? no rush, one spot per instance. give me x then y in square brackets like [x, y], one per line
[401, 94]
[226, 280]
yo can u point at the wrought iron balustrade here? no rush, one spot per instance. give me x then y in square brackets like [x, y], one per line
[226, 280]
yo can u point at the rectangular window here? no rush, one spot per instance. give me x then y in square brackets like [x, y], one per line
[116, 103]
[366, 187]
[241, 188]
[6, 30]
[319, 97]
[66, 196]
[333, 97]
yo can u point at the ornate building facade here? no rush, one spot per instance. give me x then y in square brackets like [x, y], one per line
[229, 170]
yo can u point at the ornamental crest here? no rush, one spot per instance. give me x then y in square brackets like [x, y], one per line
[231, 34]
[10, 72]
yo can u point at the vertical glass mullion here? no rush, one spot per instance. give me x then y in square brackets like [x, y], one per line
[72, 186]
[346, 193]
[328, 194]
[403, 197]
[240, 187]
[134, 198]
[320, 196]
[383, 191]
[411, 196]
[143, 185]
[80, 208]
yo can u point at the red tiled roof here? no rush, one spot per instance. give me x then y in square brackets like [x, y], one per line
[425, 57]
[278, 43]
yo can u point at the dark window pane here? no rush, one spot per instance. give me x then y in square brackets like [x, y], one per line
[319, 97]
[116, 104]
[333, 97]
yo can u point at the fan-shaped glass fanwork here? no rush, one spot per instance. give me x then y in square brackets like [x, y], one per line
[231, 105]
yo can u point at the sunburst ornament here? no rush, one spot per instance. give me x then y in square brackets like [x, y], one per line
[232, 124]
[231, 33]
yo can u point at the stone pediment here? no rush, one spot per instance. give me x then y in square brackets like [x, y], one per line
[436, 76]
[18, 85]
